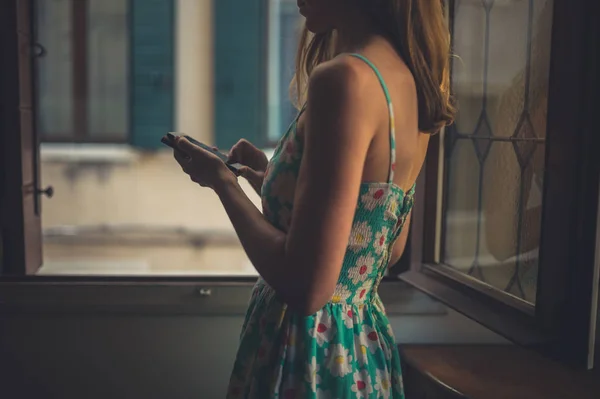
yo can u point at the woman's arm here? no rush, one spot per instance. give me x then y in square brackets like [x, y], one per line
[303, 266]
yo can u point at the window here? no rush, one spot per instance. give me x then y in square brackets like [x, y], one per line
[83, 75]
[104, 70]
[255, 49]
[284, 23]
[494, 153]
[501, 202]
[520, 260]
[218, 70]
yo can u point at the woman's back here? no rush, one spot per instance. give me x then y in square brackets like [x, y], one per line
[346, 346]
[337, 195]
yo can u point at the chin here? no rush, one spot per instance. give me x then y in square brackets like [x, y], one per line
[316, 27]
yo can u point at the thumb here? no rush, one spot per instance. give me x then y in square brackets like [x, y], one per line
[186, 146]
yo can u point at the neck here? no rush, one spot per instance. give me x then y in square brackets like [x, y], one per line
[353, 33]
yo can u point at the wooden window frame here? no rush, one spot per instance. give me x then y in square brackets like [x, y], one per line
[79, 69]
[20, 209]
[561, 324]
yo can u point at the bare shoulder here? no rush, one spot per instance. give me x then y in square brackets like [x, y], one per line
[343, 78]
[339, 111]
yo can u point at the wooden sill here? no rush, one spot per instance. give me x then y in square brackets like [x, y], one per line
[491, 372]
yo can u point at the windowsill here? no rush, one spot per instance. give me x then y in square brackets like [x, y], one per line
[96, 153]
[87, 153]
[155, 295]
[481, 371]
[131, 268]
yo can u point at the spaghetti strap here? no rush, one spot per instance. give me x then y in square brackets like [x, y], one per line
[391, 113]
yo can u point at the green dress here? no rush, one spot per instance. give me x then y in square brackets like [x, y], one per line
[346, 349]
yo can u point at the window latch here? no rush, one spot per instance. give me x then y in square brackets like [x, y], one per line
[48, 191]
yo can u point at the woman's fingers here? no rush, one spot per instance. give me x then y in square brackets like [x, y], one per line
[181, 157]
[186, 146]
[238, 152]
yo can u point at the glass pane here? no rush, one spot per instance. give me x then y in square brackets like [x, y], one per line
[290, 23]
[284, 27]
[500, 79]
[122, 210]
[55, 68]
[468, 66]
[107, 52]
[461, 206]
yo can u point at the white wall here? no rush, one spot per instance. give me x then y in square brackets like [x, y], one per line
[194, 71]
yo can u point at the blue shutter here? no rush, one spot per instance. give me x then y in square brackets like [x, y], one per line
[240, 71]
[290, 20]
[152, 71]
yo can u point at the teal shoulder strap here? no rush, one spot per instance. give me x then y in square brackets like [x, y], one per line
[391, 113]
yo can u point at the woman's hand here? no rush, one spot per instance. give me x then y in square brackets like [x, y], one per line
[204, 168]
[247, 154]
[254, 160]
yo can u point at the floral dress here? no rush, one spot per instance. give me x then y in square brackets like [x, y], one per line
[346, 349]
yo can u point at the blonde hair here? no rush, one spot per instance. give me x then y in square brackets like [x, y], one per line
[418, 31]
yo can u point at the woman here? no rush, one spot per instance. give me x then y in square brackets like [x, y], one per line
[336, 198]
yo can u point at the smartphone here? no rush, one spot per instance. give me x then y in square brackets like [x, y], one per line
[169, 140]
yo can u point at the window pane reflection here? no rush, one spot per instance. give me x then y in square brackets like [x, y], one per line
[495, 151]
[107, 54]
[55, 68]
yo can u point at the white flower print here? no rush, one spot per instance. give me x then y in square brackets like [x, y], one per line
[398, 381]
[339, 361]
[283, 187]
[362, 384]
[374, 197]
[312, 374]
[341, 294]
[393, 206]
[383, 384]
[389, 330]
[361, 351]
[360, 237]
[370, 338]
[348, 316]
[387, 351]
[380, 242]
[362, 270]
[364, 290]
[323, 330]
